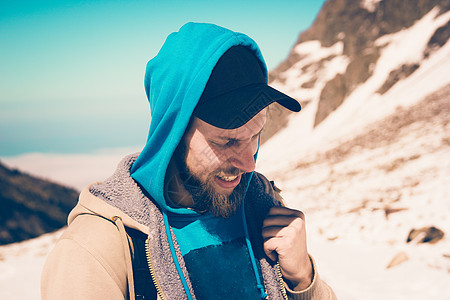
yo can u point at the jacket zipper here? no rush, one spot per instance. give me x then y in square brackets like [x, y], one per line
[280, 278]
[152, 272]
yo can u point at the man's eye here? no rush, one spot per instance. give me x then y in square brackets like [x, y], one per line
[230, 143]
[225, 145]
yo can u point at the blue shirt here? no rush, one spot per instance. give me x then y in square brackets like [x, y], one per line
[216, 256]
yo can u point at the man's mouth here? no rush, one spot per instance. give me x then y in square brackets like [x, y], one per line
[227, 181]
[226, 177]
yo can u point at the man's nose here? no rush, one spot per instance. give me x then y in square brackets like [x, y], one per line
[243, 157]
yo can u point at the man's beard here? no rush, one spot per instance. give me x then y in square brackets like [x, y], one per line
[205, 197]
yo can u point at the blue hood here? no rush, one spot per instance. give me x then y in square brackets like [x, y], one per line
[174, 81]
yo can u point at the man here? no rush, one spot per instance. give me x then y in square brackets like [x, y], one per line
[213, 228]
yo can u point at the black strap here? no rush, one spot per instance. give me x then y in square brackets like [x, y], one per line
[143, 283]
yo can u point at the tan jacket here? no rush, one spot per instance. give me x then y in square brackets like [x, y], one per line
[92, 259]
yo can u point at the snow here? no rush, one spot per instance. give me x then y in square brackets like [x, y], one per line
[21, 265]
[315, 52]
[358, 272]
[363, 178]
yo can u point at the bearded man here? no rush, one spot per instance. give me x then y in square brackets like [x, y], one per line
[188, 217]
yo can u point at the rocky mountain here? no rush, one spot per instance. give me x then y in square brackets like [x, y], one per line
[30, 206]
[341, 49]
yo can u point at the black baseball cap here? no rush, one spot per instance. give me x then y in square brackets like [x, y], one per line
[237, 90]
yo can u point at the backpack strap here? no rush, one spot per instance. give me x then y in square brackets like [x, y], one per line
[143, 283]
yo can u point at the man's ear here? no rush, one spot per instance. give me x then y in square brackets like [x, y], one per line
[180, 150]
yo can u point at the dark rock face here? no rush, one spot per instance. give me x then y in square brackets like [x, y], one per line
[402, 72]
[30, 206]
[430, 235]
[362, 27]
[439, 38]
[333, 94]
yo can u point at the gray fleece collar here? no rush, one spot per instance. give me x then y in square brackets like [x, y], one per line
[123, 192]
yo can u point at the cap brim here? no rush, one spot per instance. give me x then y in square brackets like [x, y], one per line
[234, 109]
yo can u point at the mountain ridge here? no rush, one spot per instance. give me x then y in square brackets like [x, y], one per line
[31, 206]
[354, 32]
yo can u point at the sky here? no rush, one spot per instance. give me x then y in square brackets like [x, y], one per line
[71, 72]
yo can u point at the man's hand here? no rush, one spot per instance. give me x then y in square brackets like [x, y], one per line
[284, 237]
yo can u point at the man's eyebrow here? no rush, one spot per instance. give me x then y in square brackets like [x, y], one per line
[238, 140]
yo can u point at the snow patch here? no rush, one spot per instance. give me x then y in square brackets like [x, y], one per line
[21, 265]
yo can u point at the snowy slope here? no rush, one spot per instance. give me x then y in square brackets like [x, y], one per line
[376, 168]
[21, 265]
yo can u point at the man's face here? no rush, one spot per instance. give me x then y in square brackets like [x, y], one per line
[216, 159]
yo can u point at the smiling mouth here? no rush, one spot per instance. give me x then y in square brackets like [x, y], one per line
[227, 177]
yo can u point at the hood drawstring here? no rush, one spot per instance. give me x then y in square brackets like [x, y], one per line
[174, 256]
[259, 284]
[127, 251]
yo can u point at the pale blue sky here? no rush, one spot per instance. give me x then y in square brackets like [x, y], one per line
[71, 72]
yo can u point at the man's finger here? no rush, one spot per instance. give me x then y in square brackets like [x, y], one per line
[279, 220]
[273, 255]
[284, 211]
[278, 232]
